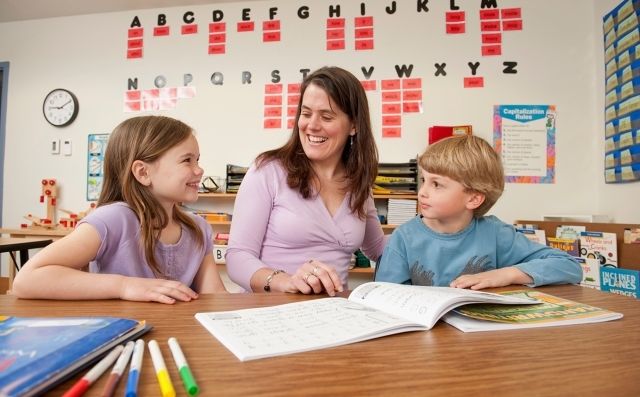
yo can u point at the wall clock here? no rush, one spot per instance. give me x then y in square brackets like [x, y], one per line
[60, 107]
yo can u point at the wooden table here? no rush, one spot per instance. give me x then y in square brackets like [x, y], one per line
[581, 360]
[38, 232]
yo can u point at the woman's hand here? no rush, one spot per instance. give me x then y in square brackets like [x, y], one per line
[315, 277]
[155, 290]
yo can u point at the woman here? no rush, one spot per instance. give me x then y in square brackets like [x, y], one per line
[304, 208]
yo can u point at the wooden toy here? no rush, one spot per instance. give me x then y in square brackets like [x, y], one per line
[71, 221]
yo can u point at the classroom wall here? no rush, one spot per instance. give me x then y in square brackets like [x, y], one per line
[559, 56]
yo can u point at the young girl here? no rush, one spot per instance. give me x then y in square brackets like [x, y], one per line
[141, 246]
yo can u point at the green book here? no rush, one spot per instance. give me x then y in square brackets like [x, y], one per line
[553, 311]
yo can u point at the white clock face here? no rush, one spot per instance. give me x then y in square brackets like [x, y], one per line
[60, 107]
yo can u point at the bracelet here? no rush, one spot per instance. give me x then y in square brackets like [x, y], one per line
[267, 286]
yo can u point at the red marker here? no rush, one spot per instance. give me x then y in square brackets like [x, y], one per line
[94, 373]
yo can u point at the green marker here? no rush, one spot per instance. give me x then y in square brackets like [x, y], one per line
[185, 373]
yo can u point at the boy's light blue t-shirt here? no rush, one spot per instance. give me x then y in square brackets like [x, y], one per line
[121, 252]
[418, 255]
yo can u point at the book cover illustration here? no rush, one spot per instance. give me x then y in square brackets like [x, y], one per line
[570, 231]
[590, 272]
[35, 351]
[601, 246]
[620, 281]
[570, 246]
[554, 311]
[536, 235]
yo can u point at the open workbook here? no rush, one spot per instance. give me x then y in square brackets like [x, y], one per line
[372, 310]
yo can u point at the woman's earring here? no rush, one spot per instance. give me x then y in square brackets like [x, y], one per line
[351, 142]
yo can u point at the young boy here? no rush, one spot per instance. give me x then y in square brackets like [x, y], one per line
[452, 243]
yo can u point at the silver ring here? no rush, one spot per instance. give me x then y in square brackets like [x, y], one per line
[306, 277]
[316, 271]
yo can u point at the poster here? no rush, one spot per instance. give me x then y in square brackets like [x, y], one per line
[524, 136]
[95, 164]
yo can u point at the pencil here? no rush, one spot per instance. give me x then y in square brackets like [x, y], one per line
[188, 380]
[166, 387]
[94, 373]
[134, 369]
[118, 369]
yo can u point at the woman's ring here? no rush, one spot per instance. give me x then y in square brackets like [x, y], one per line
[316, 271]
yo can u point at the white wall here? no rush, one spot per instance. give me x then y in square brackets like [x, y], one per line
[559, 55]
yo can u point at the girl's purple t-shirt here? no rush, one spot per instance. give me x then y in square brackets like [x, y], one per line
[121, 251]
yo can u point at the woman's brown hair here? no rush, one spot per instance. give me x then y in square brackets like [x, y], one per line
[360, 159]
[144, 138]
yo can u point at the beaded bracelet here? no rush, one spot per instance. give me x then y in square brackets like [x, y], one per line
[267, 286]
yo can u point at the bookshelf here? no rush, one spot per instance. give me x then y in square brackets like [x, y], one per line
[228, 198]
[628, 254]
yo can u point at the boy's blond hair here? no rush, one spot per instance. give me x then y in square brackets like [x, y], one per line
[471, 161]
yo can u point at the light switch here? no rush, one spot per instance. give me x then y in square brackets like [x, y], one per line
[55, 146]
[66, 147]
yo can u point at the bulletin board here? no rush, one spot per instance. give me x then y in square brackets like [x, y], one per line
[95, 164]
[622, 93]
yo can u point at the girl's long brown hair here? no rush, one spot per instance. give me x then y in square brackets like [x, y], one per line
[360, 159]
[144, 138]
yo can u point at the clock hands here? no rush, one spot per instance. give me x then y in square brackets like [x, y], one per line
[60, 107]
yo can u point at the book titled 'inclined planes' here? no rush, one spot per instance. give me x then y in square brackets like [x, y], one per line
[372, 310]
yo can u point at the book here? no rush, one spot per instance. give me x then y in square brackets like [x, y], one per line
[37, 353]
[536, 235]
[570, 246]
[570, 231]
[590, 272]
[553, 311]
[372, 310]
[620, 281]
[601, 246]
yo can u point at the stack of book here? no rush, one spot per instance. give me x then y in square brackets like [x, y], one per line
[235, 174]
[400, 211]
[400, 178]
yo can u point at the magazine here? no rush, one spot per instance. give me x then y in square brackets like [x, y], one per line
[37, 353]
[373, 310]
[553, 311]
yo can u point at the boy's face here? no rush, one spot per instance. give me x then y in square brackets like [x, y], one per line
[445, 201]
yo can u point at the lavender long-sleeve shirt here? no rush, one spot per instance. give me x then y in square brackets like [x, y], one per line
[274, 227]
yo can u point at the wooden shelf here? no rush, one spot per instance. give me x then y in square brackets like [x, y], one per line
[364, 270]
[217, 195]
[628, 254]
[375, 196]
[231, 196]
[396, 196]
[219, 223]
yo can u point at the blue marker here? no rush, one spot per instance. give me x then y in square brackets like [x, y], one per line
[134, 370]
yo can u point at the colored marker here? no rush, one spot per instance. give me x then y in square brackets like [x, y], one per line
[185, 373]
[94, 373]
[166, 387]
[134, 369]
[118, 369]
